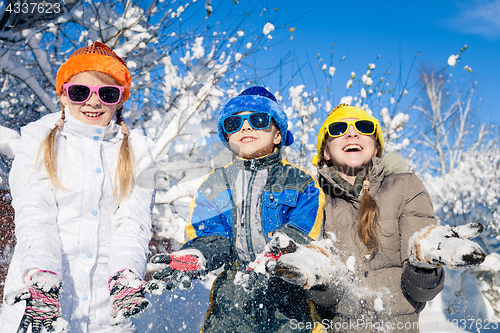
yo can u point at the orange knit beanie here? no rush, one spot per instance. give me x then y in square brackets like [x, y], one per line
[96, 57]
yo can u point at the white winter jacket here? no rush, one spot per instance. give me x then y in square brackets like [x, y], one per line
[78, 233]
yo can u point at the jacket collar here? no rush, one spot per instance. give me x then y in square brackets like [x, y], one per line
[375, 177]
[81, 130]
[258, 163]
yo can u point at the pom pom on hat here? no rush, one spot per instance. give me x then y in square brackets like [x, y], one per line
[96, 57]
[260, 91]
[256, 98]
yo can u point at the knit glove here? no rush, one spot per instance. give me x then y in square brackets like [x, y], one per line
[127, 292]
[262, 268]
[439, 245]
[309, 265]
[179, 267]
[42, 303]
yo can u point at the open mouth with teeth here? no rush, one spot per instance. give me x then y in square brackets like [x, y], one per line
[93, 115]
[248, 139]
[352, 148]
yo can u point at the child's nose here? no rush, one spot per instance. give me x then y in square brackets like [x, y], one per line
[351, 132]
[246, 125]
[94, 99]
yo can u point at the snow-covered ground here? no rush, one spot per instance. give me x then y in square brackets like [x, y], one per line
[433, 319]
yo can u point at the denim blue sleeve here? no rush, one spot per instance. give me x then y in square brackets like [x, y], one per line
[210, 216]
[307, 216]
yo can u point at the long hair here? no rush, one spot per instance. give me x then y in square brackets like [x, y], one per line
[48, 150]
[368, 226]
[124, 174]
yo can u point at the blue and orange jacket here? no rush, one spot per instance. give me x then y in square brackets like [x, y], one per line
[245, 201]
[232, 218]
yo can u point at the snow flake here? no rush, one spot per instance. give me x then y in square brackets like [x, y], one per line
[452, 60]
[378, 304]
[198, 50]
[367, 80]
[351, 263]
[179, 11]
[346, 100]
[362, 93]
[268, 28]
[331, 71]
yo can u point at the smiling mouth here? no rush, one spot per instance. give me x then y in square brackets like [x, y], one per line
[248, 139]
[352, 148]
[93, 114]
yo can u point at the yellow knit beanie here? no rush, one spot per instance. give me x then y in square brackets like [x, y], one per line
[345, 111]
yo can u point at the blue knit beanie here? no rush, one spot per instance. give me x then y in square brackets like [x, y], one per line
[256, 99]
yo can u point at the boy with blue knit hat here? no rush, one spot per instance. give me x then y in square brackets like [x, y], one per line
[237, 210]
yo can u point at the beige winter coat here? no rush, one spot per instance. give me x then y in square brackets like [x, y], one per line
[383, 289]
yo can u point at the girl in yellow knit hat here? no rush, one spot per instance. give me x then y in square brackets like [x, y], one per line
[388, 250]
[83, 187]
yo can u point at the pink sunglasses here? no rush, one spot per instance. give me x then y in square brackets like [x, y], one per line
[80, 93]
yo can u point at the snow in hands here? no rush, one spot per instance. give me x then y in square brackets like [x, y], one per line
[303, 265]
[439, 245]
[310, 265]
[262, 267]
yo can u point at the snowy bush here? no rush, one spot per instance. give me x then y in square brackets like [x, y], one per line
[469, 193]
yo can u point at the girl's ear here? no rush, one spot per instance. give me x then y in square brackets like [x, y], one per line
[64, 99]
[326, 153]
[277, 138]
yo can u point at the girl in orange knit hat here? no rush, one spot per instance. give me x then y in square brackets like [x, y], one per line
[83, 187]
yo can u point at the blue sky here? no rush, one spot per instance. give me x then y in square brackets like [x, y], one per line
[397, 31]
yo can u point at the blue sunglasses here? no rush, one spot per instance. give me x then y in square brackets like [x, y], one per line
[258, 120]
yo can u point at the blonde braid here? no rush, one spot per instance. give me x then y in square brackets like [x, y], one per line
[368, 227]
[48, 149]
[124, 174]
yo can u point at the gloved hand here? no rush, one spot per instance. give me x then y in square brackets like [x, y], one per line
[127, 292]
[309, 265]
[182, 267]
[439, 245]
[42, 303]
[259, 271]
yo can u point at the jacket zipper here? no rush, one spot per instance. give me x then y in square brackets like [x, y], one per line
[247, 215]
